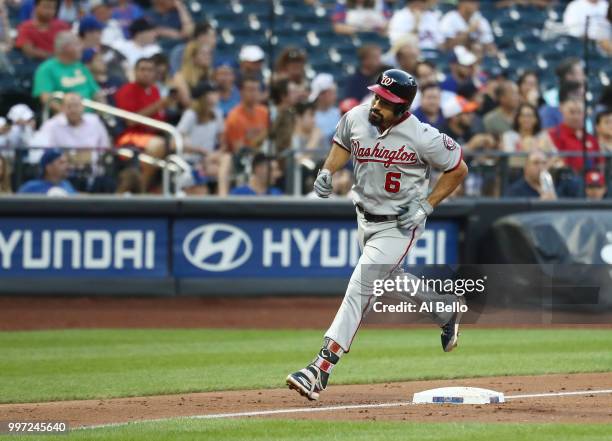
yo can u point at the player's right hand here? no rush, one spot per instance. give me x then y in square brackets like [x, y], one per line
[323, 183]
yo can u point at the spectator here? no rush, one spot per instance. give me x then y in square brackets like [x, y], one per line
[35, 37]
[462, 72]
[569, 69]
[430, 110]
[567, 136]
[459, 115]
[282, 113]
[324, 95]
[306, 134]
[534, 183]
[5, 128]
[529, 89]
[142, 44]
[595, 185]
[251, 59]
[64, 72]
[487, 92]
[90, 32]
[100, 10]
[197, 67]
[5, 176]
[73, 128]
[22, 126]
[426, 72]
[125, 12]
[416, 18]
[551, 115]
[246, 125]
[203, 35]
[263, 170]
[6, 41]
[166, 86]
[404, 54]
[171, 19]
[54, 168]
[525, 136]
[69, 11]
[359, 16]
[108, 82]
[603, 128]
[500, 119]
[600, 29]
[163, 80]
[370, 66]
[225, 78]
[129, 182]
[202, 125]
[347, 104]
[290, 65]
[465, 26]
[142, 97]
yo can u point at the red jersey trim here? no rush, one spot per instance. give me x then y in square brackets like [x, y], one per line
[342, 145]
[391, 163]
[458, 162]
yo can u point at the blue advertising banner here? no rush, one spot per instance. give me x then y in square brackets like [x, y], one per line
[283, 248]
[83, 247]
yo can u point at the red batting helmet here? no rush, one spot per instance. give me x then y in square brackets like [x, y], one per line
[395, 86]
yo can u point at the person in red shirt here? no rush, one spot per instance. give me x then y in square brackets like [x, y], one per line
[567, 136]
[143, 97]
[35, 37]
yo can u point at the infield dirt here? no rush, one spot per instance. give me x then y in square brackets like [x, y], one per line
[19, 313]
[591, 408]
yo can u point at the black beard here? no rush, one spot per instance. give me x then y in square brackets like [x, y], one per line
[375, 119]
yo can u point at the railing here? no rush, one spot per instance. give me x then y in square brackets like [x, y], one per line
[492, 162]
[89, 170]
[170, 166]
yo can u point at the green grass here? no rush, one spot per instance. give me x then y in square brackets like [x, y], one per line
[271, 430]
[80, 364]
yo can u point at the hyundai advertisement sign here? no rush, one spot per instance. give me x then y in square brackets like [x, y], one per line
[83, 247]
[282, 248]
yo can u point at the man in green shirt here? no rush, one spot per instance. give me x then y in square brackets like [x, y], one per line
[64, 72]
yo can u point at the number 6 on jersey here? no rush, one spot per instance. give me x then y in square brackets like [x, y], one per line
[392, 182]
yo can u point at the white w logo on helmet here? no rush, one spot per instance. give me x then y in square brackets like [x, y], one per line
[386, 80]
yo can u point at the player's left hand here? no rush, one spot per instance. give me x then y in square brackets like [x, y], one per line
[415, 212]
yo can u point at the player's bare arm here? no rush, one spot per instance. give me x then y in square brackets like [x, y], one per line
[337, 158]
[447, 183]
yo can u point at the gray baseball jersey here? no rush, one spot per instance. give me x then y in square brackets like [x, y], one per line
[392, 167]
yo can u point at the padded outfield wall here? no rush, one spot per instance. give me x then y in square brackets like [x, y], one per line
[238, 246]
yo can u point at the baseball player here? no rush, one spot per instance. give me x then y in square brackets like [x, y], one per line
[393, 153]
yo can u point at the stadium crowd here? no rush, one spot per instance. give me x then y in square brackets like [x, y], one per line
[251, 124]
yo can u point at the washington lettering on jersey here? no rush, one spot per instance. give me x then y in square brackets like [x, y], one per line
[393, 167]
[384, 155]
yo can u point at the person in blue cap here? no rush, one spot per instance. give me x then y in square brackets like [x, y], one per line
[54, 169]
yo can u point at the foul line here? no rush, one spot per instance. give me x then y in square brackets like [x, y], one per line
[560, 394]
[328, 408]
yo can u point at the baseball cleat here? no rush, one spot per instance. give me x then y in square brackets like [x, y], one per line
[308, 382]
[450, 331]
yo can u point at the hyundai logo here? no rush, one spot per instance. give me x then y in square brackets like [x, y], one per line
[217, 247]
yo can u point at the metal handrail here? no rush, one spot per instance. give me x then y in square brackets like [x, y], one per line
[145, 121]
[295, 175]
